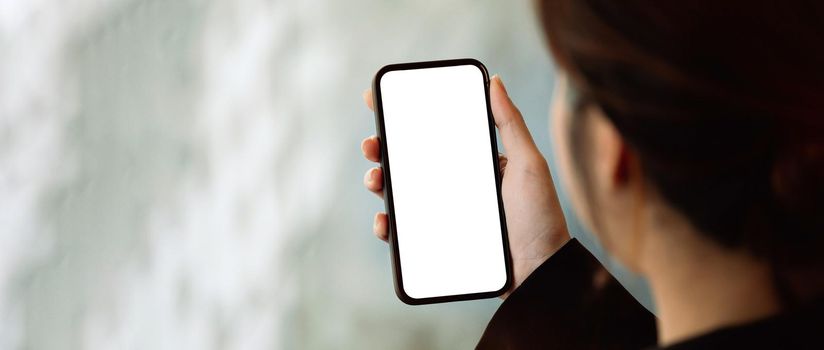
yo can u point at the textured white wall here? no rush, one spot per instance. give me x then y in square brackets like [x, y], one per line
[187, 174]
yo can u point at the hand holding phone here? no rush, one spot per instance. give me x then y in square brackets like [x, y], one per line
[536, 227]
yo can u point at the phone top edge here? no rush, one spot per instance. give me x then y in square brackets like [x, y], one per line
[430, 64]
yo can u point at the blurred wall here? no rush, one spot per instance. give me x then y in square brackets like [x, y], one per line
[187, 174]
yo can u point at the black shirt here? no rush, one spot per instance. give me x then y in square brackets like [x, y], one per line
[570, 302]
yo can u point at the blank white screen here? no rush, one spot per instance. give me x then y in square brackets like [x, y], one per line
[448, 227]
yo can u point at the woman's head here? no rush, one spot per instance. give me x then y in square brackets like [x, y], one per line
[712, 108]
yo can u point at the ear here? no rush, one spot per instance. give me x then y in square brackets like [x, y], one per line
[624, 168]
[615, 163]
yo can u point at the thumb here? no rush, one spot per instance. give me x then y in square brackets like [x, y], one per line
[514, 135]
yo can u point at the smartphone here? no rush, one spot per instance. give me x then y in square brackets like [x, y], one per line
[442, 181]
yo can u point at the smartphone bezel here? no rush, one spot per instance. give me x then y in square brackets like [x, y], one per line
[387, 178]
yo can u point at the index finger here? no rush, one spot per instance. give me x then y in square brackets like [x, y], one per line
[367, 98]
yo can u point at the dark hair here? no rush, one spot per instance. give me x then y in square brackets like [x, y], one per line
[722, 100]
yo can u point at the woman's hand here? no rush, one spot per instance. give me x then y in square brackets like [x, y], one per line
[534, 219]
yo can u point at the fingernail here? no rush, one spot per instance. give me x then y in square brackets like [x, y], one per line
[373, 176]
[375, 223]
[501, 82]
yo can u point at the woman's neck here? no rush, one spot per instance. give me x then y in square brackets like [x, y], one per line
[699, 286]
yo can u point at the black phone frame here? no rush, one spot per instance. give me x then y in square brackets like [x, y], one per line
[387, 182]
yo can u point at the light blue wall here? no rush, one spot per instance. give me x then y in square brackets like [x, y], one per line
[187, 174]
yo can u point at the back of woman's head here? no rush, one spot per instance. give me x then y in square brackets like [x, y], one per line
[724, 103]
